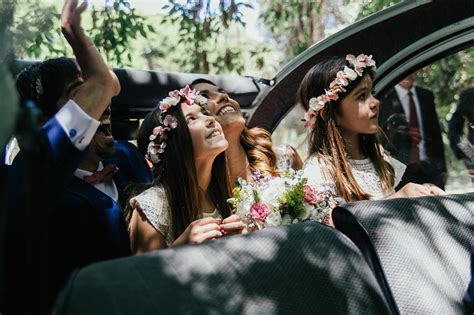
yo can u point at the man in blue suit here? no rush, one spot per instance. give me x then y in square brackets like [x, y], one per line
[79, 174]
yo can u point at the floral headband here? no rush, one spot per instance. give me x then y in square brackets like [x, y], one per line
[343, 78]
[167, 122]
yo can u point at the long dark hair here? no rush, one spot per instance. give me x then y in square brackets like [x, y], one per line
[176, 172]
[257, 143]
[326, 141]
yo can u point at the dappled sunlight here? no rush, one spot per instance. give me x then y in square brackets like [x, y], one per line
[424, 247]
[305, 268]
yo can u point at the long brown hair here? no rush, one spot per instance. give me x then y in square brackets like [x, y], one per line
[257, 143]
[176, 172]
[326, 141]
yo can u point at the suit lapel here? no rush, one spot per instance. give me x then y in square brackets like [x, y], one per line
[108, 212]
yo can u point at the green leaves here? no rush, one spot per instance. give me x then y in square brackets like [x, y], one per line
[113, 29]
[36, 33]
[294, 199]
[201, 25]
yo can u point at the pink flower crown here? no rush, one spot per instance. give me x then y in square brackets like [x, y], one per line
[167, 122]
[343, 78]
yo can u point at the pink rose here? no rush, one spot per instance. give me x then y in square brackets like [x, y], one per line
[259, 211]
[341, 79]
[174, 94]
[311, 196]
[332, 95]
[161, 148]
[189, 94]
[309, 118]
[170, 121]
[164, 106]
[369, 61]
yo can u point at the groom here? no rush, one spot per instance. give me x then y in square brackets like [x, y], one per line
[81, 173]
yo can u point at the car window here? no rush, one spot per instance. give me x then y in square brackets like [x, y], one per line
[443, 98]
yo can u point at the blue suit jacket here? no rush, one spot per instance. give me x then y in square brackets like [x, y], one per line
[87, 225]
[70, 225]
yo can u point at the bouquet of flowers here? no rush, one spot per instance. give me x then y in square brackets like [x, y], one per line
[285, 199]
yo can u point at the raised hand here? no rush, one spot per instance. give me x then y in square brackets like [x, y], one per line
[71, 22]
[100, 84]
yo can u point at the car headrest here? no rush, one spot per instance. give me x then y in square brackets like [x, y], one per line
[302, 268]
[424, 246]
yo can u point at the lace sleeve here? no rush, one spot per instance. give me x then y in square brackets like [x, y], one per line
[398, 167]
[316, 176]
[153, 203]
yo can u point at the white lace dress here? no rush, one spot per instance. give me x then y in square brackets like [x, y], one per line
[153, 203]
[363, 171]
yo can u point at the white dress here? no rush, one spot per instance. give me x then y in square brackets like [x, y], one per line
[153, 203]
[363, 171]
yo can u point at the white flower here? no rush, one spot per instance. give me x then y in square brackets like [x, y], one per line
[201, 100]
[286, 219]
[171, 100]
[316, 104]
[309, 210]
[273, 190]
[349, 73]
[273, 219]
[243, 207]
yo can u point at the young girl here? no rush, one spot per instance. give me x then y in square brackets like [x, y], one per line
[188, 199]
[345, 153]
[250, 149]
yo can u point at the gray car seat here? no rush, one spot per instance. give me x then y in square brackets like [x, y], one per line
[424, 247]
[298, 269]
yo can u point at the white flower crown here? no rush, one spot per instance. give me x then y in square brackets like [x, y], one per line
[343, 78]
[167, 122]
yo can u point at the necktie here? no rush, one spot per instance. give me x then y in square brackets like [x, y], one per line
[106, 174]
[414, 140]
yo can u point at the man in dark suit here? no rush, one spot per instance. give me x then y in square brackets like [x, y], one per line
[408, 117]
[464, 113]
[86, 223]
[67, 215]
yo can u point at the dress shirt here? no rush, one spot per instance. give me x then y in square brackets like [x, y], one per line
[109, 188]
[77, 124]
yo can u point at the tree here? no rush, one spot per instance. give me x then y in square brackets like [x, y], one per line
[297, 25]
[36, 31]
[369, 7]
[201, 26]
[113, 28]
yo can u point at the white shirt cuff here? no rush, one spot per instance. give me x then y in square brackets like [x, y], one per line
[78, 125]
